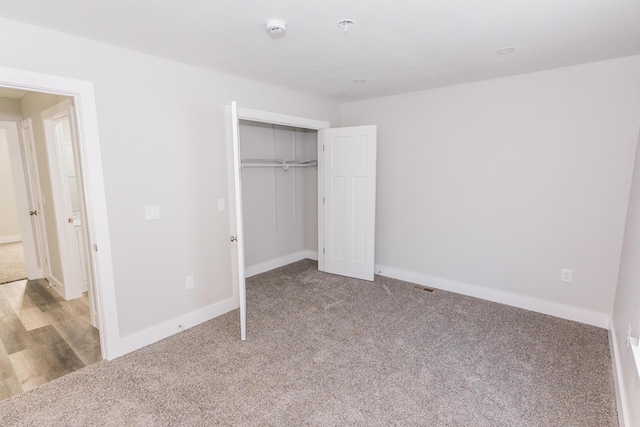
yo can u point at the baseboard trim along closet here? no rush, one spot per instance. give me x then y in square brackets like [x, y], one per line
[618, 380]
[279, 262]
[551, 308]
[57, 284]
[11, 239]
[164, 330]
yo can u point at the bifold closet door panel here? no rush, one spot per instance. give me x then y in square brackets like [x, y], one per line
[349, 208]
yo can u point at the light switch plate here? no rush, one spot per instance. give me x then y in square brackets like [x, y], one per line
[151, 212]
[221, 206]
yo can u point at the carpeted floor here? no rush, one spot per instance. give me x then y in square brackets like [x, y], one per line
[12, 266]
[323, 350]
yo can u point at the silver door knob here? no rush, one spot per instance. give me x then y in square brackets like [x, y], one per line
[70, 220]
[33, 213]
[234, 239]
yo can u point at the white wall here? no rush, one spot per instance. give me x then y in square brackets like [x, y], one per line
[10, 110]
[163, 142]
[280, 224]
[626, 310]
[9, 222]
[491, 188]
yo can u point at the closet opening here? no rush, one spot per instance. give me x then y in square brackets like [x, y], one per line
[299, 189]
[279, 173]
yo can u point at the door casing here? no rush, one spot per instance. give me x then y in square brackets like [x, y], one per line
[100, 261]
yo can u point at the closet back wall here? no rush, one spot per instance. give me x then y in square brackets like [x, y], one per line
[280, 206]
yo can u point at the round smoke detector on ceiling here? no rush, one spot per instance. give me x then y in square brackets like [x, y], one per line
[276, 27]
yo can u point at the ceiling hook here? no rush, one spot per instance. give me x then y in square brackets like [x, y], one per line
[345, 24]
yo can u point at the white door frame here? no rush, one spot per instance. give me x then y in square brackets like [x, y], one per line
[22, 199]
[234, 115]
[97, 225]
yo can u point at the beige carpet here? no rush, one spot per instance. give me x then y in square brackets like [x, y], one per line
[323, 350]
[12, 266]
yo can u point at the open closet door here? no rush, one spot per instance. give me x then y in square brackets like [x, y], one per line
[238, 239]
[349, 181]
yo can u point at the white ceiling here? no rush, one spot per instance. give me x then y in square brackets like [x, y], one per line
[397, 46]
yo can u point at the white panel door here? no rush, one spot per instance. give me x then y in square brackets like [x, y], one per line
[238, 238]
[60, 134]
[26, 211]
[35, 199]
[349, 181]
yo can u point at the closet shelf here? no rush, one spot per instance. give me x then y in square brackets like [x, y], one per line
[278, 163]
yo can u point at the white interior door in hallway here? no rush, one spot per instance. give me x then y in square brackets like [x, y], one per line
[24, 205]
[60, 133]
[283, 209]
[36, 214]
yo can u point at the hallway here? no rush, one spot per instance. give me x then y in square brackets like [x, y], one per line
[42, 336]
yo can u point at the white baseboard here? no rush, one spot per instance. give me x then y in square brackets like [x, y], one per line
[11, 239]
[621, 397]
[563, 311]
[279, 262]
[164, 330]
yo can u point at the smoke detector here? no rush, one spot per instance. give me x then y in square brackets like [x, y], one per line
[276, 27]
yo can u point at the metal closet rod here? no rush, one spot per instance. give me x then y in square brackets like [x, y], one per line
[278, 163]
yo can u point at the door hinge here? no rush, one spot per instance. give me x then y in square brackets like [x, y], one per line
[323, 250]
[323, 200]
[322, 147]
[95, 248]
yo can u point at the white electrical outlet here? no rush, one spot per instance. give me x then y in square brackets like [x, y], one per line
[221, 206]
[188, 282]
[566, 275]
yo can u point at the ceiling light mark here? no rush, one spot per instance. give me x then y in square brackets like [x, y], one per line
[505, 50]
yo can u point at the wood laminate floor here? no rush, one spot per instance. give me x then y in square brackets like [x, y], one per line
[42, 336]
